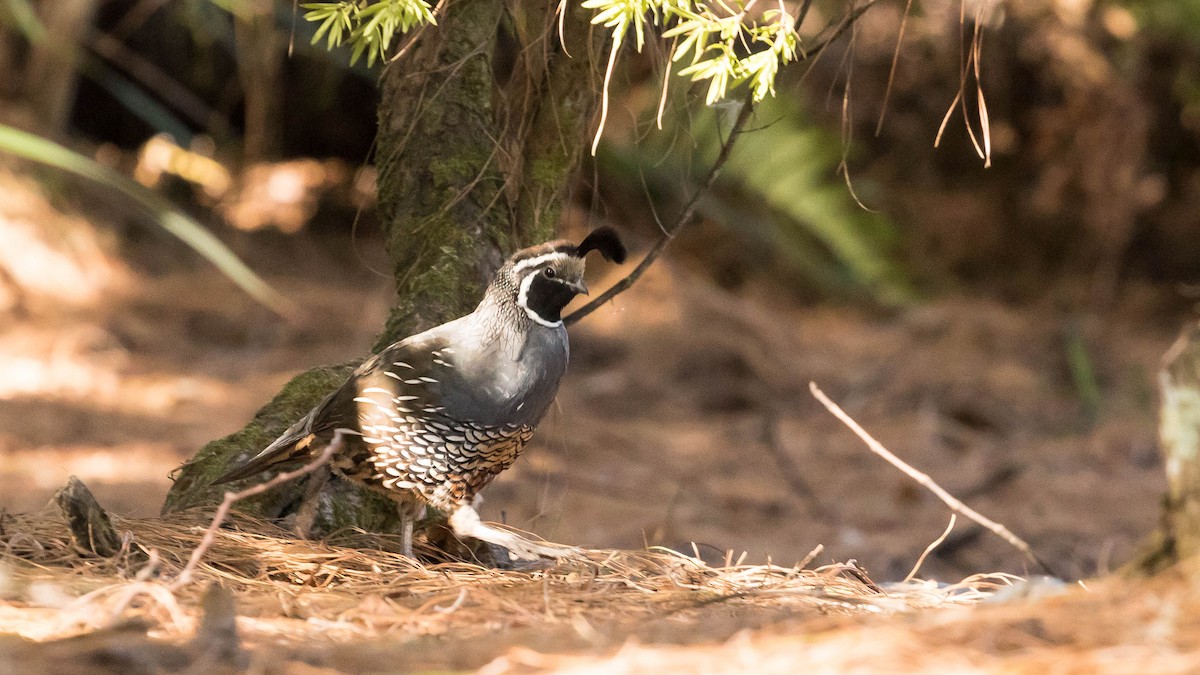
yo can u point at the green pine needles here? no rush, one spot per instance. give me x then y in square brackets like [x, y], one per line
[369, 27]
[724, 42]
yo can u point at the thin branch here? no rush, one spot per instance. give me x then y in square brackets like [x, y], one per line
[887, 92]
[841, 29]
[210, 535]
[684, 217]
[923, 479]
[803, 13]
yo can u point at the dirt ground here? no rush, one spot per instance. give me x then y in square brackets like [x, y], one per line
[685, 417]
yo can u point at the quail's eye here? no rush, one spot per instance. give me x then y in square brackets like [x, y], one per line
[549, 272]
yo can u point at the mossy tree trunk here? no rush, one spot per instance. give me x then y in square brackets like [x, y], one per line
[480, 126]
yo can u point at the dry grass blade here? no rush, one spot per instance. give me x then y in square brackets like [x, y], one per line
[932, 545]
[950, 500]
[969, 65]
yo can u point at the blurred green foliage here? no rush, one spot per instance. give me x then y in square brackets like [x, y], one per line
[781, 188]
[1178, 17]
[790, 165]
[166, 214]
[20, 15]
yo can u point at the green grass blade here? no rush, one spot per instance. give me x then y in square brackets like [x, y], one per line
[169, 217]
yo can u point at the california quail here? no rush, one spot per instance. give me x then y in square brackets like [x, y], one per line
[439, 414]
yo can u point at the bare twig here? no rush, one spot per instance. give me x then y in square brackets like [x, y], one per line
[231, 498]
[949, 499]
[932, 545]
[843, 26]
[887, 92]
[684, 217]
[812, 555]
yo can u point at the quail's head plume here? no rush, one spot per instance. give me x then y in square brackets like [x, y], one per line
[437, 415]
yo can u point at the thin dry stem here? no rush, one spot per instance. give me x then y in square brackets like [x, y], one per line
[927, 482]
[608, 71]
[969, 64]
[662, 99]
[561, 13]
[887, 92]
[932, 545]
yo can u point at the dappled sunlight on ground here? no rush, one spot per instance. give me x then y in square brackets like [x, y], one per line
[60, 259]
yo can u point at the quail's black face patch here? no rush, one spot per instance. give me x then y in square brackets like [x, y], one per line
[548, 296]
[545, 278]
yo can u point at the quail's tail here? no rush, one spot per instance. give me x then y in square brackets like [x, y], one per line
[294, 444]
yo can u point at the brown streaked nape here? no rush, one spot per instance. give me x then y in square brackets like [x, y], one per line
[557, 246]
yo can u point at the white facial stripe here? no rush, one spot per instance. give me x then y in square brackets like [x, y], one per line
[523, 301]
[534, 262]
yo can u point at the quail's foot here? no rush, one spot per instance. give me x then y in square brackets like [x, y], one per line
[465, 523]
[524, 549]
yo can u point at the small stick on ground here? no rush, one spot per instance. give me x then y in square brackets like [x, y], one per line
[855, 571]
[231, 498]
[949, 499]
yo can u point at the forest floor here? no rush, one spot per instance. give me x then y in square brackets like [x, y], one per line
[685, 422]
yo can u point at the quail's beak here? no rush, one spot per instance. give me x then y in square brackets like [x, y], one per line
[579, 287]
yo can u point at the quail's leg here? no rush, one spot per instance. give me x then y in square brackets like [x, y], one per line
[464, 520]
[306, 515]
[406, 533]
[410, 512]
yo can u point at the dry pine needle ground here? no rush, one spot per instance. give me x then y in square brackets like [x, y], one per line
[305, 589]
[304, 607]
